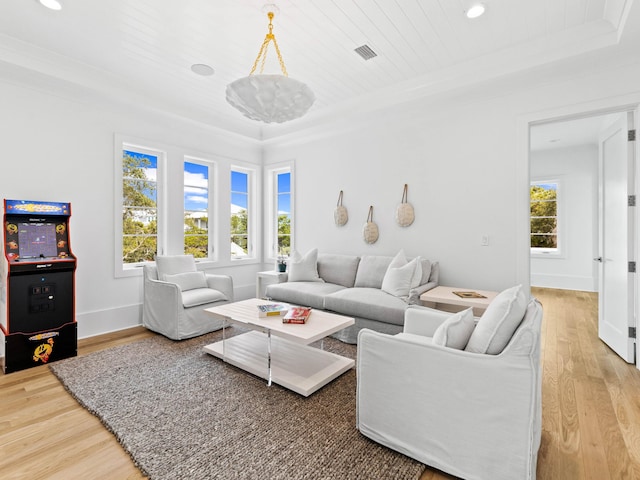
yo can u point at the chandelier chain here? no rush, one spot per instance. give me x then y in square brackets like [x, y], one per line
[262, 54]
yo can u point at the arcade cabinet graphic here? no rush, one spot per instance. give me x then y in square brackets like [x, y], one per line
[37, 311]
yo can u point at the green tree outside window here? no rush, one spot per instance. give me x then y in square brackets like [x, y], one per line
[196, 207]
[544, 215]
[140, 208]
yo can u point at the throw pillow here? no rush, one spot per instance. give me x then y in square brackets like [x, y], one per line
[188, 280]
[426, 271]
[456, 330]
[371, 270]
[172, 264]
[498, 323]
[304, 269]
[399, 260]
[398, 280]
[417, 274]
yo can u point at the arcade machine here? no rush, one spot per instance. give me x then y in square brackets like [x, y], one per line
[37, 310]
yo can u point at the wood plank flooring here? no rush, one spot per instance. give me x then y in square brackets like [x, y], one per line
[591, 409]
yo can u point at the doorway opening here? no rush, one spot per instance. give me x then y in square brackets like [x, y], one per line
[582, 237]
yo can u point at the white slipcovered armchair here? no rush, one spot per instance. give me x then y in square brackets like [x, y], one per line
[473, 415]
[176, 294]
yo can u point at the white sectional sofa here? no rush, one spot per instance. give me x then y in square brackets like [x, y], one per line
[375, 290]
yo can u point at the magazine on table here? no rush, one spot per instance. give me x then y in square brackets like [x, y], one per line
[297, 315]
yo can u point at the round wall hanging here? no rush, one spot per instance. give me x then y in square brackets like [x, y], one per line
[370, 229]
[404, 212]
[340, 215]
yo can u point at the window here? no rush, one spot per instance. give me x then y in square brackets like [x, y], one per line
[139, 205]
[196, 209]
[167, 202]
[544, 217]
[241, 220]
[279, 212]
[283, 217]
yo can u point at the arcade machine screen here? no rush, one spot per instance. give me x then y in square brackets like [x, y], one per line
[37, 240]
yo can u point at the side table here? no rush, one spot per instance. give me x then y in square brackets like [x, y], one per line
[443, 298]
[268, 278]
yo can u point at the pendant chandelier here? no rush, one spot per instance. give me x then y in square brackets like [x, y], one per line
[270, 97]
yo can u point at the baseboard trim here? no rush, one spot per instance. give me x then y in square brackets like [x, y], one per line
[564, 282]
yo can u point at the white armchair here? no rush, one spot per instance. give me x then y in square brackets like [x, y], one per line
[176, 294]
[473, 415]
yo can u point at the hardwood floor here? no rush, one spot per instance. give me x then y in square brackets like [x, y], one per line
[591, 409]
[45, 433]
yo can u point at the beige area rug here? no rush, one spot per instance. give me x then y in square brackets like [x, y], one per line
[183, 414]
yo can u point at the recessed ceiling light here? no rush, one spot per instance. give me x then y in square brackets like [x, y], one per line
[202, 69]
[476, 10]
[52, 4]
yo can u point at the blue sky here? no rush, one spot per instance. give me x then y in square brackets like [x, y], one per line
[196, 187]
[196, 183]
[239, 189]
[547, 186]
[284, 201]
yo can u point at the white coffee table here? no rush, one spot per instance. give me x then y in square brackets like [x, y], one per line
[280, 352]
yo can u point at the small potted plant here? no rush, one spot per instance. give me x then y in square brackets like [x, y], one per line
[282, 263]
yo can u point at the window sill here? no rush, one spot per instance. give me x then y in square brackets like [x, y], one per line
[125, 271]
[547, 254]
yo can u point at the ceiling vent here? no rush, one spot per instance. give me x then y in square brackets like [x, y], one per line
[365, 52]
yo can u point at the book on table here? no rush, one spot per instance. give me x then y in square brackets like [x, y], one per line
[272, 310]
[469, 294]
[297, 315]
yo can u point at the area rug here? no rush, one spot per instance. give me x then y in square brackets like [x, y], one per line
[183, 414]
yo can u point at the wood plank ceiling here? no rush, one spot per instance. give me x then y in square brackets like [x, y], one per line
[142, 50]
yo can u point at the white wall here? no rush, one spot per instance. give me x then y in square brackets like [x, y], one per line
[577, 170]
[60, 149]
[465, 158]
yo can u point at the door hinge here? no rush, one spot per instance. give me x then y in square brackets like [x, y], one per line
[631, 201]
[632, 267]
[632, 332]
[631, 135]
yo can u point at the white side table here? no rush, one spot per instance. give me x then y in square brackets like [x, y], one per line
[443, 298]
[268, 278]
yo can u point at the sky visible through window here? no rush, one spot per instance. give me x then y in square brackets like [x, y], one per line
[239, 190]
[284, 201]
[196, 184]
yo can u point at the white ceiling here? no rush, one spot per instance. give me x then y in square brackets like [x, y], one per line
[570, 133]
[141, 51]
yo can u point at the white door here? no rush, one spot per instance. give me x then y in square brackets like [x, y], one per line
[616, 248]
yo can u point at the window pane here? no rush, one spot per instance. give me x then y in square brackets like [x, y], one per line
[283, 220]
[544, 225]
[239, 214]
[139, 213]
[196, 209]
[139, 248]
[284, 182]
[139, 220]
[544, 241]
[544, 215]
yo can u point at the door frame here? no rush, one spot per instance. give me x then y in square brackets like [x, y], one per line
[616, 104]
